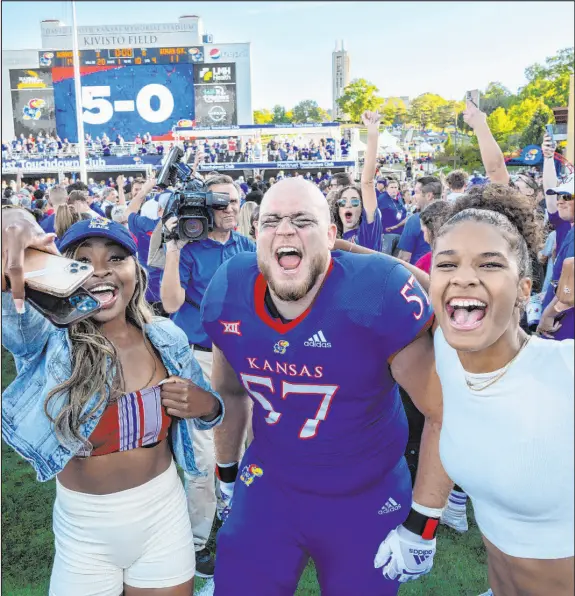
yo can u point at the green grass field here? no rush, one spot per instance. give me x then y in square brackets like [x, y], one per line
[27, 541]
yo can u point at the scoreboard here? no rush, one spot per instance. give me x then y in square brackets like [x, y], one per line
[124, 56]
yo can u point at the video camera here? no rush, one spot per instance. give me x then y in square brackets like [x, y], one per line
[187, 200]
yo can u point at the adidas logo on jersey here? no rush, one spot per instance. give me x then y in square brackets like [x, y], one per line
[317, 340]
[389, 506]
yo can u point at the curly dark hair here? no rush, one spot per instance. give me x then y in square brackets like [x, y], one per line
[506, 208]
[457, 179]
[334, 209]
[435, 215]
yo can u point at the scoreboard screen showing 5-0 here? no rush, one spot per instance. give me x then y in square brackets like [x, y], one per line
[124, 100]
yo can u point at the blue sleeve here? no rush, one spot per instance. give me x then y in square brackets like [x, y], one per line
[186, 264]
[406, 310]
[47, 224]
[26, 334]
[133, 223]
[407, 242]
[370, 234]
[213, 300]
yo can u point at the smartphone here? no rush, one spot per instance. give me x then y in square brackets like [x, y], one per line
[63, 311]
[54, 274]
[549, 129]
[473, 97]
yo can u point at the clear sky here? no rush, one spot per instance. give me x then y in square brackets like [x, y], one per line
[405, 48]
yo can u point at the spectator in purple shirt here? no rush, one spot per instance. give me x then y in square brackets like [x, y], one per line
[354, 210]
[557, 321]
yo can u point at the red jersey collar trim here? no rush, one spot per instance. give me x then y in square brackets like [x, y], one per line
[260, 288]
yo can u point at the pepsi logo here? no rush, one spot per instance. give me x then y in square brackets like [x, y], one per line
[215, 54]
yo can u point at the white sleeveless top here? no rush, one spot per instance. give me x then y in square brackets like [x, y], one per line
[510, 447]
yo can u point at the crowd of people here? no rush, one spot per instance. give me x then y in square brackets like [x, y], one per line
[216, 150]
[202, 354]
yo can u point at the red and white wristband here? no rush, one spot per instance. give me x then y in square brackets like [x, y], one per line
[423, 521]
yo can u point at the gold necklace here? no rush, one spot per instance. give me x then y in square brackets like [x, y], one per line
[478, 387]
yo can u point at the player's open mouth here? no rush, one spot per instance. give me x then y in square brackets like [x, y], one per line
[288, 257]
[106, 293]
[348, 215]
[466, 314]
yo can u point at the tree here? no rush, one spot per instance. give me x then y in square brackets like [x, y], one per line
[360, 95]
[393, 111]
[307, 111]
[533, 134]
[501, 126]
[496, 96]
[522, 112]
[446, 113]
[423, 109]
[550, 81]
[263, 117]
[280, 115]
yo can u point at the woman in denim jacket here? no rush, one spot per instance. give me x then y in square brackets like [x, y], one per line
[105, 406]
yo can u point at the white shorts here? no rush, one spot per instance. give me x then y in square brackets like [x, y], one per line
[140, 537]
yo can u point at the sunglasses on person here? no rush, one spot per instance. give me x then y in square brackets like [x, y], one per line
[344, 202]
[565, 197]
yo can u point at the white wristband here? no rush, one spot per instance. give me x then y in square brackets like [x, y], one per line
[428, 511]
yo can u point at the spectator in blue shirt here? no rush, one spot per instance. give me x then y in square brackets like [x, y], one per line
[412, 245]
[393, 215]
[188, 271]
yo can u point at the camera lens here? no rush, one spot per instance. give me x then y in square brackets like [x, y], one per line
[192, 228]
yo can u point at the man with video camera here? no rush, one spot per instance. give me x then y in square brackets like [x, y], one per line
[189, 268]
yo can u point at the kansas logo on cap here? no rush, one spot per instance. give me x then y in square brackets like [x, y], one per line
[99, 223]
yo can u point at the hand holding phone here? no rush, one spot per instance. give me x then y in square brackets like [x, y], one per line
[64, 311]
[473, 97]
[19, 232]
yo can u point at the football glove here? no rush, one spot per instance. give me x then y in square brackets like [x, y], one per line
[404, 556]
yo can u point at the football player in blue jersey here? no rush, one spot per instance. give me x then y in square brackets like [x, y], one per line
[319, 341]
[354, 209]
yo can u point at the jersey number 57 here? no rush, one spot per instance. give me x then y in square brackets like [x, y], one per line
[310, 426]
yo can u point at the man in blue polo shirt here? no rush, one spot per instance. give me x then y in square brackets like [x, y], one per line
[412, 245]
[188, 271]
[393, 214]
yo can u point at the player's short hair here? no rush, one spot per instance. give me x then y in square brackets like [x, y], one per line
[457, 179]
[342, 179]
[58, 195]
[223, 179]
[431, 184]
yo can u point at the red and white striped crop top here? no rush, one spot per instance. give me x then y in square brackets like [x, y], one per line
[135, 420]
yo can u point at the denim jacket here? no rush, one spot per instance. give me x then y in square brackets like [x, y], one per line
[43, 356]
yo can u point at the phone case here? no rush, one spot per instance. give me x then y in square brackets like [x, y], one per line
[62, 312]
[54, 274]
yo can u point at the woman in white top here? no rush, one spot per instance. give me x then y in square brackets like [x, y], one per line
[507, 436]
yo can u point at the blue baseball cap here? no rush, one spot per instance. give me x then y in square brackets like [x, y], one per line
[99, 228]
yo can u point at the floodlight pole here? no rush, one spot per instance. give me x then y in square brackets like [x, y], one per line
[78, 91]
